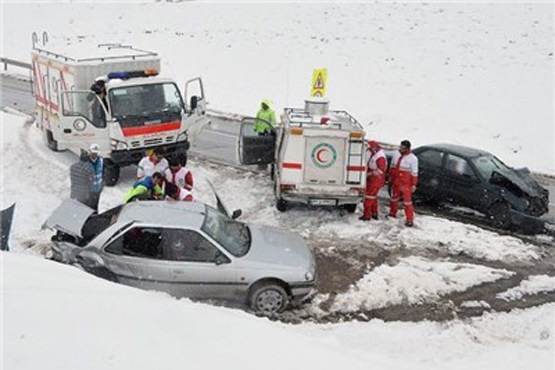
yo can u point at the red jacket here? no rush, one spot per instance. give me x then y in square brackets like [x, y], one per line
[377, 164]
[403, 170]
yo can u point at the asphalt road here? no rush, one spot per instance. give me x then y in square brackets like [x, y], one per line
[218, 141]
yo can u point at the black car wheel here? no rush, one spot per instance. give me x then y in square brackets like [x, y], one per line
[500, 215]
[351, 208]
[268, 298]
[281, 205]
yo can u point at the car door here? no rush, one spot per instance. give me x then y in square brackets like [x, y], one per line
[195, 118]
[430, 168]
[254, 148]
[134, 255]
[82, 120]
[462, 185]
[199, 269]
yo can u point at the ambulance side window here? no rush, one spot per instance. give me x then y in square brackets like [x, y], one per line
[86, 105]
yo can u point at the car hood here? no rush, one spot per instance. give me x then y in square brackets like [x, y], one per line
[276, 246]
[521, 178]
[69, 217]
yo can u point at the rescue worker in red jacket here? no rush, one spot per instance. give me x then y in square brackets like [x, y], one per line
[179, 175]
[403, 175]
[375, 179]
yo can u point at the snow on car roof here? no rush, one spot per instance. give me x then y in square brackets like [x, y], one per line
[165, 213]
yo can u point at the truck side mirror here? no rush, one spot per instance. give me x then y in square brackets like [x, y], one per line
[194, 102]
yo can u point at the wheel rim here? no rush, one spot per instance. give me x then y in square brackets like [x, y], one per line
[269, 301]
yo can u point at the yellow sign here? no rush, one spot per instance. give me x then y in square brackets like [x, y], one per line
[319, 81]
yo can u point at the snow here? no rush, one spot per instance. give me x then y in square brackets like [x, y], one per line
[477, 74]
[56, 316]
[466, 73]
[531, 285]
[414, 280]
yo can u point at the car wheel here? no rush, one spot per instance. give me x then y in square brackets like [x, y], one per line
[111, 173]
[500, 215]
[268, 298]
[281, 205]
[351, 208]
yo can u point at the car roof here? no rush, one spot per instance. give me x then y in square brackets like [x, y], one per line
[164, 213]
[459, 150]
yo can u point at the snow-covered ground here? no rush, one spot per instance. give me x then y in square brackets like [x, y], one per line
[479, 74]
[58, 317]
[476, 74]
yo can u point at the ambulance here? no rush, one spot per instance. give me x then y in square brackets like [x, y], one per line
[136, 110]
[318, 156]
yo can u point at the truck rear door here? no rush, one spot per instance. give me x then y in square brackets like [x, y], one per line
[254, 148]
[324, 160]
[82, 120]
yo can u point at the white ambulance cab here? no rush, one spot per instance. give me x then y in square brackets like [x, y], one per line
[137, 110]
[318, 156]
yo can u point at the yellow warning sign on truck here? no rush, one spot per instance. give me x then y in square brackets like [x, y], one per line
[319, 81]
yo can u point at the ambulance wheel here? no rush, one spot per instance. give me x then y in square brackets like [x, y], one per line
[281, 205]
[50, 142]
[111, 173]
[351, 208]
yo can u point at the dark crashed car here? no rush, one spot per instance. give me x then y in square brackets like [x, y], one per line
[478, 180]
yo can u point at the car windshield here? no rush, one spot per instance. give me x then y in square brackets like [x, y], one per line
[487, 164]
[234, 236]
[144, 100]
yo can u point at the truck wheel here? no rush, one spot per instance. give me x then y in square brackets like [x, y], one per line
[351, 208]
[50, 142]
[500, 215]
[111, 173]
[281, 205]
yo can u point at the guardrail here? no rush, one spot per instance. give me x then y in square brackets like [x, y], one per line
[16, 63]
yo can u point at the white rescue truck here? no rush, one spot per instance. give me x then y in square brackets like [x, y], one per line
[140, 110]
[318, 156]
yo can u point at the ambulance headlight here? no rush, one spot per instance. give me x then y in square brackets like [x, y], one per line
[118, 145]
[182, 136]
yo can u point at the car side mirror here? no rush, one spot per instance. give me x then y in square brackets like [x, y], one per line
[194, 102]
[236, 214]
[221, 259]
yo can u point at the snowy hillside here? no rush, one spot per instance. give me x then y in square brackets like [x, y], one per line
[451, 295]
[467, 73]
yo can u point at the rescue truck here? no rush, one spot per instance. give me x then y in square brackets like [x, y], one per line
[130, 111]
[318, 156]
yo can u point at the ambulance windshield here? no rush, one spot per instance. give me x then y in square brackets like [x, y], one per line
[152, 101]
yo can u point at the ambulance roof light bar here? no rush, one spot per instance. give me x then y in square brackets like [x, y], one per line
[124, 75]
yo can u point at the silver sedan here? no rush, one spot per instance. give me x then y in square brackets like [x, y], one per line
[187, 249]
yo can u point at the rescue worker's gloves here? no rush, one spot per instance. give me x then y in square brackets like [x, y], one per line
[413, 188]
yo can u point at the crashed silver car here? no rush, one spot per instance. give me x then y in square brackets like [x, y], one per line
[187, 249]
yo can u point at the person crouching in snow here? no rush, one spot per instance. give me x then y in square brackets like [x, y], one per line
[155, 162]
[377, 164]
[148, 188]
[403, 175]
[179, 175]
[175, 192]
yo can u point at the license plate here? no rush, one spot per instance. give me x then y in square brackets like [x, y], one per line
[322, 202]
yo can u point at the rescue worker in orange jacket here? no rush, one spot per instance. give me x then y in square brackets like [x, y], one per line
[403, 175]
[375, 179]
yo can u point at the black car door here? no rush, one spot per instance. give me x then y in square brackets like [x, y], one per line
[461, 184]
[429, 174]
